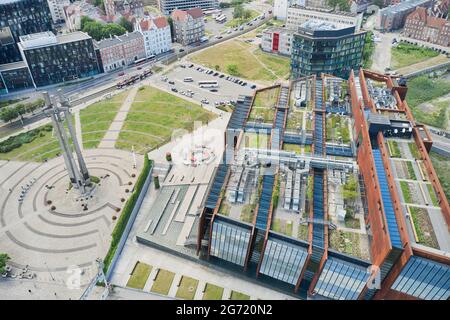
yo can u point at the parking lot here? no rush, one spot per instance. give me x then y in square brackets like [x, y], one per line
[226, 92]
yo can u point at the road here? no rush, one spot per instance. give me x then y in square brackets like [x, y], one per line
[90, 88]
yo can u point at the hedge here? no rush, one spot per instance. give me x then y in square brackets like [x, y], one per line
[126, 213]
[15, 142]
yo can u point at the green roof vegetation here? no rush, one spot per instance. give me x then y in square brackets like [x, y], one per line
[187, 288]
[163, 282]
[139, 275]
[213, 292]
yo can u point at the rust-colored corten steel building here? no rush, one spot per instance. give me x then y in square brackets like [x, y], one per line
[281, 206]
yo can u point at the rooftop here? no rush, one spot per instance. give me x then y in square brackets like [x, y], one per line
[43, 39]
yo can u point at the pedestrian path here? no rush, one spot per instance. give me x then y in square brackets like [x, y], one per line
[111, 136]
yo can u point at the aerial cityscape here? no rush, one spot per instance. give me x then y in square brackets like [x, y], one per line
[232, 150]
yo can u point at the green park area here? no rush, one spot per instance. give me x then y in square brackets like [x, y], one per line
[213, 292]
[35, 145]
[154, 116]
[96, 119]
[245, 60]
[139, 276]
[426, 99]
[187, 288]
[163, 282]
[405, 54]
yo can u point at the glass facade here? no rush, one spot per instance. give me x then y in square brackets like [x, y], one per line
[18, 18]
[283, 260]
[341, 280]
[326, 51]
[62, 62]
[17, 79]
[424, 279]
[230, 242]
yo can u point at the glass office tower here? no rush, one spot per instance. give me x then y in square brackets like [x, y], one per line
[320, 47]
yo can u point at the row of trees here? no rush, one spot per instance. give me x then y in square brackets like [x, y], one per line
[240, 13]
[98, 30]
[341, 5]
[3, 260]
[11, 113]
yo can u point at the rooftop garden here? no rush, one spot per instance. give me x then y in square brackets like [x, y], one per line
[212, 292]
[294, 120]
[263, 108]
[187, 288]
[292, 148]
[394, 149]
[442, 167]
[348, 243]
[424, 228]
[414, 150]
[163, 282]
[338, 129]
[282, 226]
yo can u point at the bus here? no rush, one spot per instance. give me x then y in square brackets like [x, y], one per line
[208, 84]
[143, 60]
[221, 19]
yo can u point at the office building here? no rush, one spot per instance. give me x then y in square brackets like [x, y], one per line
[18, 18]
[298, 15]
[394, 17]
[320, 47]
[56, 59]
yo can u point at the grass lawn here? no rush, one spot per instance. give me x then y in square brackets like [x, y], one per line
[352, 223]
[405, 54]
[96, 119]
[238, 21]
[239, 296]
[251, 63]
[224, 208]
[187, 288]
[139, 276]
[153, 117]
[423, 89]
[163, 282]
[44, 146]
[442, 167]
[213, 292]
[248, 212]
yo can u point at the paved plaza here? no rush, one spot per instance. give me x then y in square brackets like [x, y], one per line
[53, 231]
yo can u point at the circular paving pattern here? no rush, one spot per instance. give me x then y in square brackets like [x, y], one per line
[46, 225]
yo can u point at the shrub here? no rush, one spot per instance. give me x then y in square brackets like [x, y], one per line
[126, 213]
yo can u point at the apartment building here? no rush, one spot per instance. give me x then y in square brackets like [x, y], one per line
[421, 26]
[277, 40]
[57, 10]
[394, 17]
[189, 26]
[157, 36]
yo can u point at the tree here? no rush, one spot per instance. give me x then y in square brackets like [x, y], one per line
[126, 24]
[170, 22]
[8, 114]
[238, 11]
[233, 69]
[112, 29]
[3, 260]
[94, 29]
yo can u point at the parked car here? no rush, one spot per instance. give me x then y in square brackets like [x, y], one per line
[253, 87]
[205, 101]
[213, 90]
[216, 74]
[174, 89]
[171, 82]
[221, 76]
[121, 74]
[181, 50]
[191, 65]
